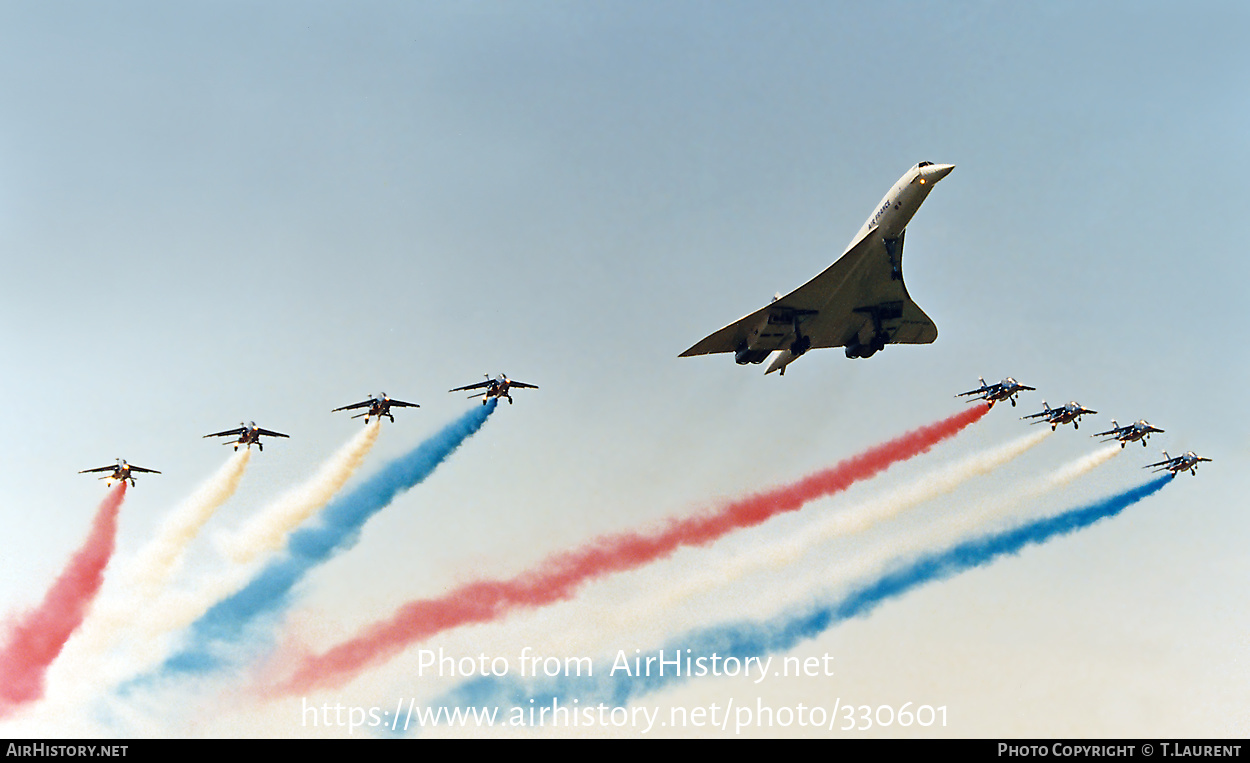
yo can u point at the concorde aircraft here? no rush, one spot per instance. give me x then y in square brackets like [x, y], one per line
[859, 302]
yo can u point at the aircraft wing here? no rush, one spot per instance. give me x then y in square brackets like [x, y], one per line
[1113, 432]
[834, 308]
[100, 469]
[227, 433]
[365, 404]
[522, 385]
[402, 404]
[270, 433]
[479, 385]
[134, 468]
[1040, 414]
[982, 391]
[1166, 464]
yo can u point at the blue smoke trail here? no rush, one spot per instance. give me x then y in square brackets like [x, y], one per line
[739, 641]
[215, 636]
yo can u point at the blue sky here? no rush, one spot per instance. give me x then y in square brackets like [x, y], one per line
[237, 211]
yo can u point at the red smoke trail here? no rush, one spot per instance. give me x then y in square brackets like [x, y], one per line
[559, 576]
[36, 640]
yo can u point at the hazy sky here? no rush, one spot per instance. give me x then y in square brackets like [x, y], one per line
[229, 211]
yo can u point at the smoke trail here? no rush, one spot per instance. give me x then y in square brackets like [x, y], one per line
[221, 628]
[755, 639]
[802, 559]
[1078, 467]
[855, 519]
[266, 532]
[37, 638]
[162, 556]
[268, 529]
[149, 611]
[145, 577]
[559, 576]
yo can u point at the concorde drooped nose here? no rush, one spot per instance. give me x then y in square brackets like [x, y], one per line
[931, 173]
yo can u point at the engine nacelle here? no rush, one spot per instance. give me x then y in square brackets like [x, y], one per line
[858, 350]
[744, 355]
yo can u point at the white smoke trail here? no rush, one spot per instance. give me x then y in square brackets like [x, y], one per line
[267, 531]
[990, 513]
[690, 592]
[176, 609]
[801, 572]
[150, 611]
[1083, 465]
[950, 528]
[855, 519]
[149, 572]
[154, 566]
[598, 618]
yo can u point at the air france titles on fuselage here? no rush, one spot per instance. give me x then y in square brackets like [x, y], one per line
[884, 208]
[900, 201]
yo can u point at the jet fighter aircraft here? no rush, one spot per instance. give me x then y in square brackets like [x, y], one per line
[859, 302]
[1174, 464]
[1129, 432]
[248, 433]
[377, 406]
[1072, 412]
[497, 387]
[121, 471]
[1007, 389]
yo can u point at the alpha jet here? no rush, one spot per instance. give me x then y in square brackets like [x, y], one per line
[1007, 389]
[497, 387]
[121, 471]
[859, 302]
[1174, 464]
[1072, 412]
[247, 433]
[1129, 432]
[377, 406]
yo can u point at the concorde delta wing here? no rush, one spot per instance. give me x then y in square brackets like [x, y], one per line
[859, 302]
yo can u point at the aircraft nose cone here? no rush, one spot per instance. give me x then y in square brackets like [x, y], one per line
[938, 171]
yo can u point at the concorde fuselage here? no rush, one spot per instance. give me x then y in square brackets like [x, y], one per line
[901, 202]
